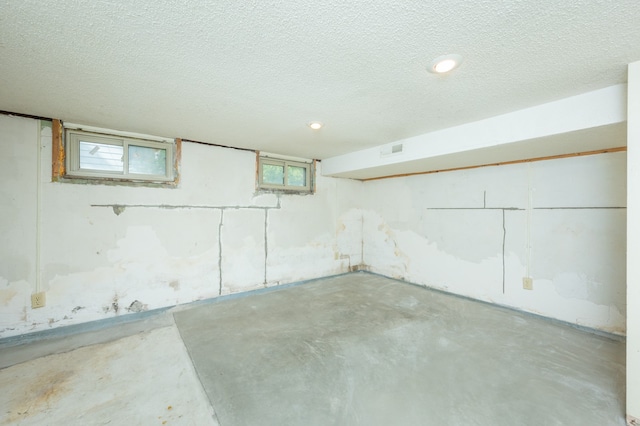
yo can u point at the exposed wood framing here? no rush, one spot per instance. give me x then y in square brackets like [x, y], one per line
[177, 160]
[58, 157]
[528, 160]
[257, 170]
[312, 178]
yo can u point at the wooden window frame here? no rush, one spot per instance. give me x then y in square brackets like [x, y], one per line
[66, 166]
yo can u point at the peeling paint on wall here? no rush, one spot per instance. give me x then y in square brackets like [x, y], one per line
[7, 295]
[118, 250]
[466, 232]
[106, 249]
[137, 306]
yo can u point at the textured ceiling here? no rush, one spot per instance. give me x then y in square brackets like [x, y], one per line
[252, 74]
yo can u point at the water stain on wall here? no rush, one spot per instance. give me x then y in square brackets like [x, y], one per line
[7, 295]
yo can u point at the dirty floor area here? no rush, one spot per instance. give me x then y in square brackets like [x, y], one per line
[357, 349]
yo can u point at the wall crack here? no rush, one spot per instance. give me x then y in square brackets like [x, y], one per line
[504, 239]
[266, 245]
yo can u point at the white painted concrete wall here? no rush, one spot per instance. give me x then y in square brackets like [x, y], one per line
[633, 245]
[213, 235]
[468, 232]
[18, 177]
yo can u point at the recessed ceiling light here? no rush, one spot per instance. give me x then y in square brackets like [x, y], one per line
[315, 125]
[445, 63]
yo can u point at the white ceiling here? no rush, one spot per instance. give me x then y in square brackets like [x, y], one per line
[581, 141]
[251, 74]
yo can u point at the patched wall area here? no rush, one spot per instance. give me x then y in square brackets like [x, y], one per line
[103, 251]
[18, 208]
[479, 232]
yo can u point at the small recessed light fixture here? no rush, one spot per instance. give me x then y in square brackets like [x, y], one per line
[315, 125]
[445, 63]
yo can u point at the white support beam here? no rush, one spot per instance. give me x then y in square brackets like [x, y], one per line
[633, 246]
[599, 109]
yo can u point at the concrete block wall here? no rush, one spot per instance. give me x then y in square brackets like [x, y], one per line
[479, 232]
[102, 251]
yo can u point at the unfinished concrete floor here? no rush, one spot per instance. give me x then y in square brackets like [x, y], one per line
[356, 349]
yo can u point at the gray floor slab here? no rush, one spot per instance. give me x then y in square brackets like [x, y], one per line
[364, 350]
[65, 339]
[143, 379]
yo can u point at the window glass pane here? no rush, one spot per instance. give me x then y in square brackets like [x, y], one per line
[297, 176]
[101, 156]
[147, 161]
[273, 174]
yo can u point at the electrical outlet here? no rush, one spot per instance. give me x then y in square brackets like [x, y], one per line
[38, 300]
[527, 283]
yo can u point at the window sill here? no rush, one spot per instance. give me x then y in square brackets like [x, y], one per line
[115, 182]
[262, 191]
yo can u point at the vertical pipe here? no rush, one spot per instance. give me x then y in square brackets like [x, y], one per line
[529, 219]
[39, 208]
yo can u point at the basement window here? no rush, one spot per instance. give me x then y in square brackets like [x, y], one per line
[96, 155]
[278, 173]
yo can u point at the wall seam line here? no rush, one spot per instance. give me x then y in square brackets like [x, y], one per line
[184, 206]
[361, 240]
[474, 208]
[266, 245]
[504, 239]
[220, 252]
